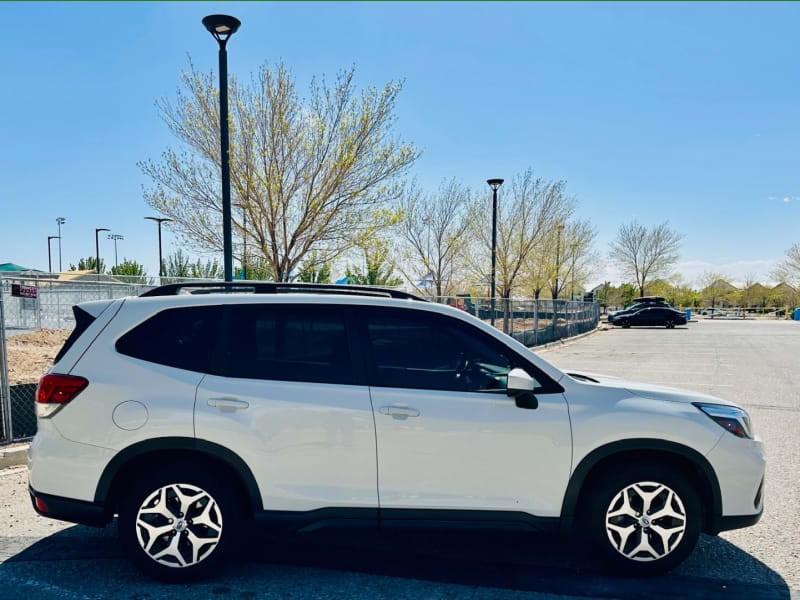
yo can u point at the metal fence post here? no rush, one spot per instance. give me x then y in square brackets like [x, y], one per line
[5, 390]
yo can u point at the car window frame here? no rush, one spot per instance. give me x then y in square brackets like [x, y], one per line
[548, 385]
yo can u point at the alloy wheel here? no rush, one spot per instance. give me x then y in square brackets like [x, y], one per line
[645, 521]
[179, 525]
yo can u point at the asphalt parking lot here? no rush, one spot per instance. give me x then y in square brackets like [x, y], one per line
[754, 363]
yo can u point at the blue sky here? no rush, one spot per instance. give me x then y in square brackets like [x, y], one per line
[686, 112]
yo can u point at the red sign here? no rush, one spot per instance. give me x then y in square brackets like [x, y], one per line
[23, 291]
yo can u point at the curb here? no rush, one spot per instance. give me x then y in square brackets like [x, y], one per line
[567, 341]
[14, 457]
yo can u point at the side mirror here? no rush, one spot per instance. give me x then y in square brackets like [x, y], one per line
[520, 385]
[519, 381]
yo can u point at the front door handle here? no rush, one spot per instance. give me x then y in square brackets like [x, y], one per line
[228, 403]
[399, 412]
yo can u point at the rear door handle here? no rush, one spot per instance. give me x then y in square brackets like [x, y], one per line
[228, 403]
[399, 412]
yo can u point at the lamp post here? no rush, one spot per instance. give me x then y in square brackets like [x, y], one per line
[115, 237]
[49, 260]
[572, 290]
[159, 220]
[60, 221]
[495, 185]
[560, 228]
[243, 206]
[222, 27]
[97, 247]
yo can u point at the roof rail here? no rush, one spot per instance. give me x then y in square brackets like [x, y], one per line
[271, 287]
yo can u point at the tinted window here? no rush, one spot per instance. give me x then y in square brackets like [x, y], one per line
[177, 337]
[414, 349]
[286, 343]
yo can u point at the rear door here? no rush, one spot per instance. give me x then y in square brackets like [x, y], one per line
[286, 396]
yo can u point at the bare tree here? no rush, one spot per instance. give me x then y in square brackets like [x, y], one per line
[522, 222]
[310, 175]
[713, 286]
[434, 231]
[571, 255]
[788, 270]
[643, 253]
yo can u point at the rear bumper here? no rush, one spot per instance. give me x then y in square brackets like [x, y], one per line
[67, 509]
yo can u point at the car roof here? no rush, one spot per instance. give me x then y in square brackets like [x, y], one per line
[149, 305]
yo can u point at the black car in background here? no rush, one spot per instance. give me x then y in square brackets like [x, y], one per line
[643, 302]
[650, 315]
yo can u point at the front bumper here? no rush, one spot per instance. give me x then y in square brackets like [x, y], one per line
[67, 509]
[739, 465]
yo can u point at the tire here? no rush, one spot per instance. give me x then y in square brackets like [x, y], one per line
[190, 494]
[670, 325]
[626, 324]
[642, 546]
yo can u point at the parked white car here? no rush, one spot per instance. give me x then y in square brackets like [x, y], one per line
[189, 414]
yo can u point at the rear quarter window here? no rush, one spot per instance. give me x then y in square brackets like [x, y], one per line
[183, 338]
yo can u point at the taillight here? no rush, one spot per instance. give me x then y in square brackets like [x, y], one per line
[54, 391]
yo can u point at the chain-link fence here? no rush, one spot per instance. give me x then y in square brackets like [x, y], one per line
[30, 304]
[531, 322]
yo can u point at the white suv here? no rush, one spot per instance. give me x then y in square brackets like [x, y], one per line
[187, 414]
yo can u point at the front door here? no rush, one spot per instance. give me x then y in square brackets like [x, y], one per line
[449, 437]
[285, 396]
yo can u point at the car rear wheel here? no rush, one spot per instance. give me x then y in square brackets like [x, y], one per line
[179, 523]
[670, 324]
[644, 520]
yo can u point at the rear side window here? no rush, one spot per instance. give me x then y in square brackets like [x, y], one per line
[82, 321]
[183, 338]
[285, 343]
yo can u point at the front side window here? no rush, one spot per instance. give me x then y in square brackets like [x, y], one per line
[416, 349]
[182, 337]
[285, 343]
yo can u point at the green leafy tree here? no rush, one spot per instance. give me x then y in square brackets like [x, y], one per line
[257, 270]
[89, 264]
[130, 269]
[378, 268]
[313, 272]
[316, 173]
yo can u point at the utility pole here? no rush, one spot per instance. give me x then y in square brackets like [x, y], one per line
[60, 221]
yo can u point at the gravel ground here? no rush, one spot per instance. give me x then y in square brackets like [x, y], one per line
[754, 363]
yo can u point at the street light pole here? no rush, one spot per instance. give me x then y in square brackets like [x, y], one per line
[60, 221]
[97, 247]
[560, 228]
[115, 237]
[222, 27]
[159, 220]
[49, 259]
[495, 185]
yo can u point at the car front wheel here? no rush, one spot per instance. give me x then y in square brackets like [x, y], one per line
[179, 523]
[644, 520]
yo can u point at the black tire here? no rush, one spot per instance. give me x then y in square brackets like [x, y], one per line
[212, 557]
[670, 325]
[607, 489]
[626, 324]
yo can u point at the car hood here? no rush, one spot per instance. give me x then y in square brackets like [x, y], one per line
[647, 390]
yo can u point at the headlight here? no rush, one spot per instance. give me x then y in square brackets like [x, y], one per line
[735, 420]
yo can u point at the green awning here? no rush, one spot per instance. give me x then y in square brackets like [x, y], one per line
[13, 267]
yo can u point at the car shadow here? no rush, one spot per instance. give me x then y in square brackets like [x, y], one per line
[509, 560]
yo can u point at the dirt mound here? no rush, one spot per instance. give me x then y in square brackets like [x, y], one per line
[31, 354]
